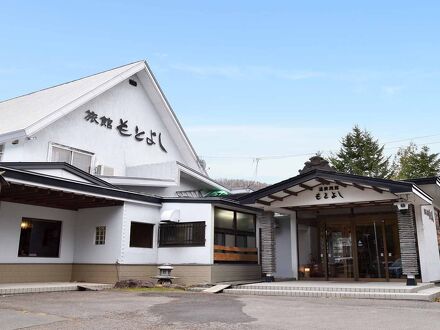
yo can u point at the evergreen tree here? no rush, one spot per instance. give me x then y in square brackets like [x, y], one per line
[410, 163]
[361, 154]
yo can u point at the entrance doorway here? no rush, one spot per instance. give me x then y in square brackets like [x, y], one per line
[354, 247]
[371, 250]
[339, 251]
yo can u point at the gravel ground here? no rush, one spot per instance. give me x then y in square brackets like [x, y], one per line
[183, 310]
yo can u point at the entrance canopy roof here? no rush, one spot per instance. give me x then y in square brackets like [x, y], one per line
[326, 188]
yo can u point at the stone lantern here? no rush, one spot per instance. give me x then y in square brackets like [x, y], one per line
[164, 276]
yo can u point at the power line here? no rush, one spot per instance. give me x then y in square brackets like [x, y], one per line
[254, 158]
[414, 138]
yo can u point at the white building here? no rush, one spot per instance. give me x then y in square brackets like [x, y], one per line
[101, 184]
[98, 163]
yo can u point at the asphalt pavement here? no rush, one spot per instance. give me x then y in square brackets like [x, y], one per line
[185, 310]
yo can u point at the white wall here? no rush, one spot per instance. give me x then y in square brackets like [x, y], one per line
[111, 149]
[294, 244]
[428, 244]
[184, 185]
[190, 212]
[85, 228]
[11, 215]
[139, 213]
[78, 234]
[283, 248]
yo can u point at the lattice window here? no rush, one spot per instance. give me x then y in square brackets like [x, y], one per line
[182, 234]
[100, 235]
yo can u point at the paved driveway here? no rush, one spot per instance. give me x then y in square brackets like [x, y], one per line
[136, 310]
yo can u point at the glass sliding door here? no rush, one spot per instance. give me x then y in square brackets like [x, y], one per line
[370, 250]
[378, 249]
[339, 251]
[311, 251]
[359, 246]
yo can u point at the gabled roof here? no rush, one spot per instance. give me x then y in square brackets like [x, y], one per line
[32, 166]
[25, 115]
[297, 184]
[201, 177]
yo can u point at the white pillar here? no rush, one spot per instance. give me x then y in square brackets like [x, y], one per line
[294, 244]
[427, 243]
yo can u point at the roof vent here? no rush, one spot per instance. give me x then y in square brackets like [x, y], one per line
[132, 82]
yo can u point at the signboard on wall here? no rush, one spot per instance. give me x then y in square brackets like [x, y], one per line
[329, 192]
[332, 193]
[135, 132]
[437, 225]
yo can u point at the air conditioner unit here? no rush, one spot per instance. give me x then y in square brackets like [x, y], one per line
[105, 170]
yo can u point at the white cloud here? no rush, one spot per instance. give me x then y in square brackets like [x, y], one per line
[362, 77]
[221, 71]
[8, 70]
[247, 72]
[391, 90]
[230, 150]
[160, 55]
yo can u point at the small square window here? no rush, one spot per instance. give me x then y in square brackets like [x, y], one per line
[100, 235]
[141, 235]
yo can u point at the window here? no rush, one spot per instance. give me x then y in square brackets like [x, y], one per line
[2, 150]
[39, 238]
[78, 158]
[182, 234]
[234, 237]
[141, 235]
[100, 235]
[224, 219]
[234, 229]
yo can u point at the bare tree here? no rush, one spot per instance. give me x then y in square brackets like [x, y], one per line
[241, 184]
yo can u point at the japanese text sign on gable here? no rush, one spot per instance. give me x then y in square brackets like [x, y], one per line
[125, 130]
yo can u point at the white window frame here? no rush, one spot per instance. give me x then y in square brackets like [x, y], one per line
[2, 151]
[100, 235]
[72, 150]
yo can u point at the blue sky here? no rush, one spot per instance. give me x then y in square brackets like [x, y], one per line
[247, 79]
